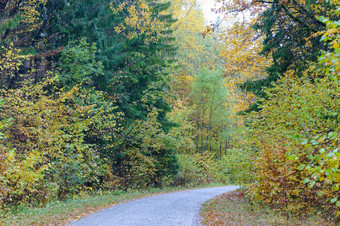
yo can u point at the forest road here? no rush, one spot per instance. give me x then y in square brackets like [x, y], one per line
[178, 208]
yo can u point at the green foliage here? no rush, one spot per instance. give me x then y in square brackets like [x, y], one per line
[85, 105]
[197, 169]
[192, 170]
[78, 64]
[144, 72]
[288, 149]
[289, 133]
[292, 39]
[52, 141]
[238, 166]
[79, 68]
[10, 23]
[44, 130]
[66, 132]
[210, 114]
[296, 135]
[146, 156]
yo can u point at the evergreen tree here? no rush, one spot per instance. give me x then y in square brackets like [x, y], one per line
[132, 66]
[145, 71]
[291, 39]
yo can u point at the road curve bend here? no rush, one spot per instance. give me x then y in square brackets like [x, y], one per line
[178, 208]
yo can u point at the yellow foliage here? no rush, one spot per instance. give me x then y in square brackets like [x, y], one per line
[43, 148]
[31, 14]
[10, 61]
[242, 62]
[297, 137]
[138, 17]
[189, 17]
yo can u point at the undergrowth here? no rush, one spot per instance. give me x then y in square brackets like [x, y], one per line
[233, 208]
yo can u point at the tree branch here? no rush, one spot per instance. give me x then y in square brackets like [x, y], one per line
[46, 18]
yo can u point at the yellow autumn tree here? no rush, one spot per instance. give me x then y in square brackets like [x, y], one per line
[242, 61]
[139, 20]
[194, 52]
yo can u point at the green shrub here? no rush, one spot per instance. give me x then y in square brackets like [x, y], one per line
[235, 167]
[146, 156]
[196, 169]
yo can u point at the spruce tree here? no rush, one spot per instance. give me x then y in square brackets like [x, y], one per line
[291, 40]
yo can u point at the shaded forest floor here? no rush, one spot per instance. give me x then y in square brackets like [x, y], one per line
[232, 208]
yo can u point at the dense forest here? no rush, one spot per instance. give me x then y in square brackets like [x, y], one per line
[132, 94]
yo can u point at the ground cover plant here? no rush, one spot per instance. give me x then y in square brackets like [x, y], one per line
[234, 208]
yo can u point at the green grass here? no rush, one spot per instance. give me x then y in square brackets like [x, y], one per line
[233, 209]
[57, 213]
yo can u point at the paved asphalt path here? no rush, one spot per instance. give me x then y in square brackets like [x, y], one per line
[178, 208]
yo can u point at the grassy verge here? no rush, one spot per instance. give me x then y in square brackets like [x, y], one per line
[233, 209]
[59, 213]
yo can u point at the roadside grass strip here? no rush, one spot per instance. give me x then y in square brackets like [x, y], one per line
[233, 208]
[63, 212]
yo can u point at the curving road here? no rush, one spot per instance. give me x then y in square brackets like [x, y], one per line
[178, 208]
